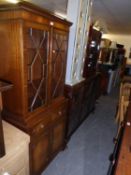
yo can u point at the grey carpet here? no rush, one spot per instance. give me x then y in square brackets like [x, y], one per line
[89, 148]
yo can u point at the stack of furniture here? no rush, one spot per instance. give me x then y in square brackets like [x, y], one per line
[120, 159]
[33, 57]
[111, 63]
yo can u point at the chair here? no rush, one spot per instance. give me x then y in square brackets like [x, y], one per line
[124, 98]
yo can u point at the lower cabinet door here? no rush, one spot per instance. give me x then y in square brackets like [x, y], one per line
[58, 136]
[40, 150]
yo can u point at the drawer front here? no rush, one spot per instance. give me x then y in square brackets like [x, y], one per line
[45, 120]
[59, 113]
[40, 127]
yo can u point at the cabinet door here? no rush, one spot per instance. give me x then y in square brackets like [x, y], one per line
[92, 52]
[36, 56]
[58, 62]
[75, 110]
[40, 150]
[88, 98]
[58, 135]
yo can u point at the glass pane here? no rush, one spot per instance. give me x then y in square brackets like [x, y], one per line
[36, 53]
[58, 63]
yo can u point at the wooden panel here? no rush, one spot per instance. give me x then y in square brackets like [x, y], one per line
[82, 98]
[124, 159]
[59, 112]
[10, 67]
[58, 136]
[39, 153]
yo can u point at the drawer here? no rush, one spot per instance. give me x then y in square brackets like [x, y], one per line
[44, 120]
[40, 127]
[59, 112]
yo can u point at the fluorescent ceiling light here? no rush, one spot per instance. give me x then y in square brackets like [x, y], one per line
[13, 1]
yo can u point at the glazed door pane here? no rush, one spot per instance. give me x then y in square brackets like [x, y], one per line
[59, 53]
[36, 54]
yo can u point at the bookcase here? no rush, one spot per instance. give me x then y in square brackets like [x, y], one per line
[33, 57]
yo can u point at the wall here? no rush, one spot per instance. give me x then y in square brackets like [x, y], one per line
[121, 39]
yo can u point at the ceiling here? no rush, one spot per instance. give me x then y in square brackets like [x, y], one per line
[57, 6]
[113, 16]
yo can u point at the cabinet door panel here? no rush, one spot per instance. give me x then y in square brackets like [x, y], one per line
[58, 63]
[58, 135]
[36, 55]
[40, 153]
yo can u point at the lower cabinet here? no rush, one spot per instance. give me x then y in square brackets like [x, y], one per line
[48, 138]
[82, 98]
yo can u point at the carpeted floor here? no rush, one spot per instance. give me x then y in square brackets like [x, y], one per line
[89, 148]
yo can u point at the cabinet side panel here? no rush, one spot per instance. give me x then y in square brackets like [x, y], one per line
[10, 65]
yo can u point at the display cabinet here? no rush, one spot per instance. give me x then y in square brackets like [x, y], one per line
[92, 52]
[33, 58]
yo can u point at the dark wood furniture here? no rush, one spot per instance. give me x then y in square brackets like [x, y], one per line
[123, 164]
[82, 98]
[121, 157]
[33, 57]
[4, 86]
[92, 52]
